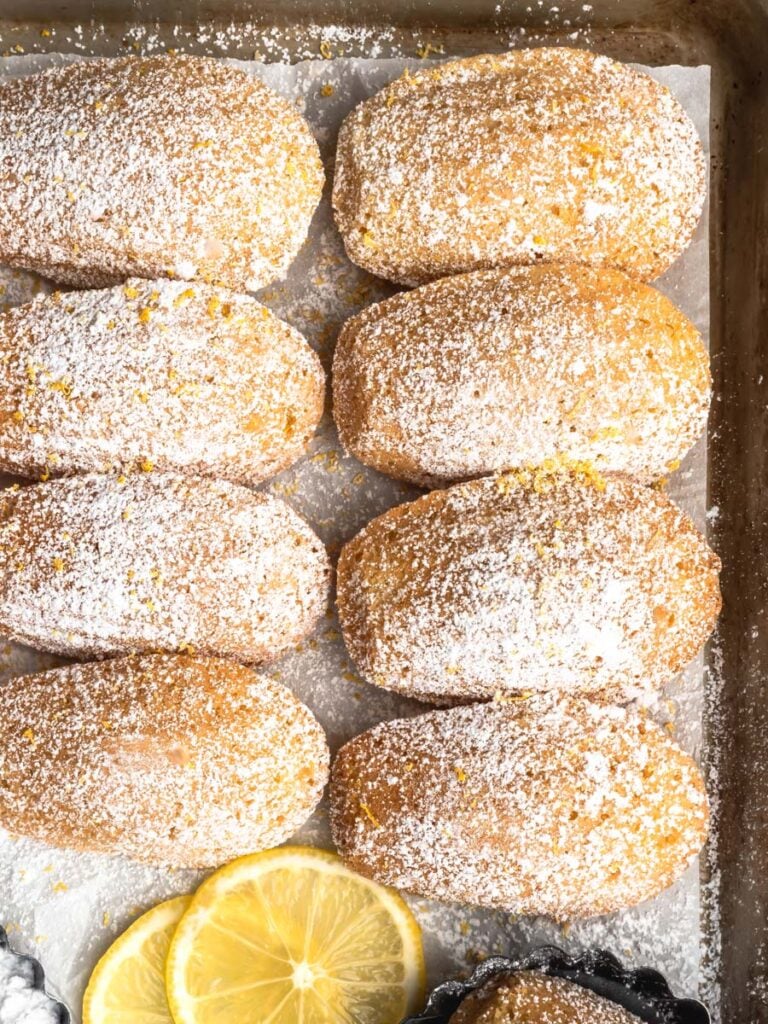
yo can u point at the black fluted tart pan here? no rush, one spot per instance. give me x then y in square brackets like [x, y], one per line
[642, 991]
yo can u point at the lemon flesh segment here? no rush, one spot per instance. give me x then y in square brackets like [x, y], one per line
[128, 983]
[291, 936]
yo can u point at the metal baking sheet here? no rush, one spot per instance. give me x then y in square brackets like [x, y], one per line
[732, 37]
[67, 908]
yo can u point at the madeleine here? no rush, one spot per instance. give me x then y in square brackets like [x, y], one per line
[504, 368]
[191, 378]
[103, 565]
[152, 167]
[553, 578]
[164, 759]
[541, 806]
[547, 154]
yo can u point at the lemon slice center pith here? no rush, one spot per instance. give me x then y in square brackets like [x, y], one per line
[304, 975]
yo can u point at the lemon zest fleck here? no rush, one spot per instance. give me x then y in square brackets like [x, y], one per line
[370, 815]
[188, 293]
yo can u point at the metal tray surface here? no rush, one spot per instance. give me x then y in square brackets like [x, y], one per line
[732, 37]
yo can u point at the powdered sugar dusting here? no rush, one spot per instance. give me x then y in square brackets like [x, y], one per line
[528, 581]
[498, 369]
[542, 154]
[97, 895]
[99, 565]
[183, 377]
[153, 167]
[21, 1002]
[163, 759]
[543, 806]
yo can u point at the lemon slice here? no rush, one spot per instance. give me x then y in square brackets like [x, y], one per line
[291, 936]
[128, 983]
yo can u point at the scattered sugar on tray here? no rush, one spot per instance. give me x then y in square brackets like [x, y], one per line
[253, 39]
[95, 881]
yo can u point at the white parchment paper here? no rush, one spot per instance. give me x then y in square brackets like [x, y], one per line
[66, 908]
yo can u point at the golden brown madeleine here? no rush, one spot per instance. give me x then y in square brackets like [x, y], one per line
[100, 565]
[539, 806]
[191, 378]
[538, 999]
[544, 154]
[503, 368]
[162, 758]
[152, 167]
[546, 579]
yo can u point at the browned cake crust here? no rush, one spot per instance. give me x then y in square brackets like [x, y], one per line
[164, 759]
[151, 167]
[543, 154]
[503, 368]
[546, 579]
[530, 998]
[191, 378]
[540, 806]
[101, 565]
